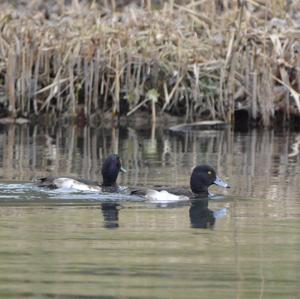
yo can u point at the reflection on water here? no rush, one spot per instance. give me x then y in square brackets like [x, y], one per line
[110, 212]
[243, 243]
[257, 163]
[200, 215]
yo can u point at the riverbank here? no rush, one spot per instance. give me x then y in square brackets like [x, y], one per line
[199, 61]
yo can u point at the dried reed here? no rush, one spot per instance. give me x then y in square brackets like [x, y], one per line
[205, 59]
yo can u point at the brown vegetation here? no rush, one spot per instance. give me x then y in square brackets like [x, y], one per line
[203, 59]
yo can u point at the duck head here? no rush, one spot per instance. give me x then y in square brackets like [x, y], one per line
[110, 170]
[204, 176]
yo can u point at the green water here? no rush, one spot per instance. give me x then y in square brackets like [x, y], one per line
[77, 245]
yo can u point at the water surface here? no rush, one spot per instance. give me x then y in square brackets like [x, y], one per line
[245, 243]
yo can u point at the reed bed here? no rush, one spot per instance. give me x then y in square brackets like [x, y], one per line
[201, 59]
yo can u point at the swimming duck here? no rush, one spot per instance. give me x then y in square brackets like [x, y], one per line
[202, 177]
[110, 170]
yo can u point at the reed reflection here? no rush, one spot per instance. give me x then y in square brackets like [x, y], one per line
[257, 163]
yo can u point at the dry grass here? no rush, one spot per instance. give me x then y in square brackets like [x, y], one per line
[204, 59]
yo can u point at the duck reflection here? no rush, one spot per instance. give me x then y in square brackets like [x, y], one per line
[200, 215]
[203, 217]
[110, 213]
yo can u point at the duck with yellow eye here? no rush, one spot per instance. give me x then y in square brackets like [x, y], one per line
[202, 177]
[110, 170]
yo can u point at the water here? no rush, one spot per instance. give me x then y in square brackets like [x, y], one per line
[244, 243]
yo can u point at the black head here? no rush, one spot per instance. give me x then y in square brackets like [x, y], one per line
[110, 170]
[204, 176]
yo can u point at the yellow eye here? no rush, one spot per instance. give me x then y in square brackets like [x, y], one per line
[209, 172]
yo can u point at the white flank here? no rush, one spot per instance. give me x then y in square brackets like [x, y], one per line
[164, 196]
[68, 183]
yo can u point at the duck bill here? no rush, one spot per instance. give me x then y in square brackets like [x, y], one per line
[221, 183]
[123, 170]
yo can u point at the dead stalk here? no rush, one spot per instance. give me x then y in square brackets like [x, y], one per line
[198, 57]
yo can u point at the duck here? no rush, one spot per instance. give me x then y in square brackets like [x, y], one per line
[110, 170]
[202, 177]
